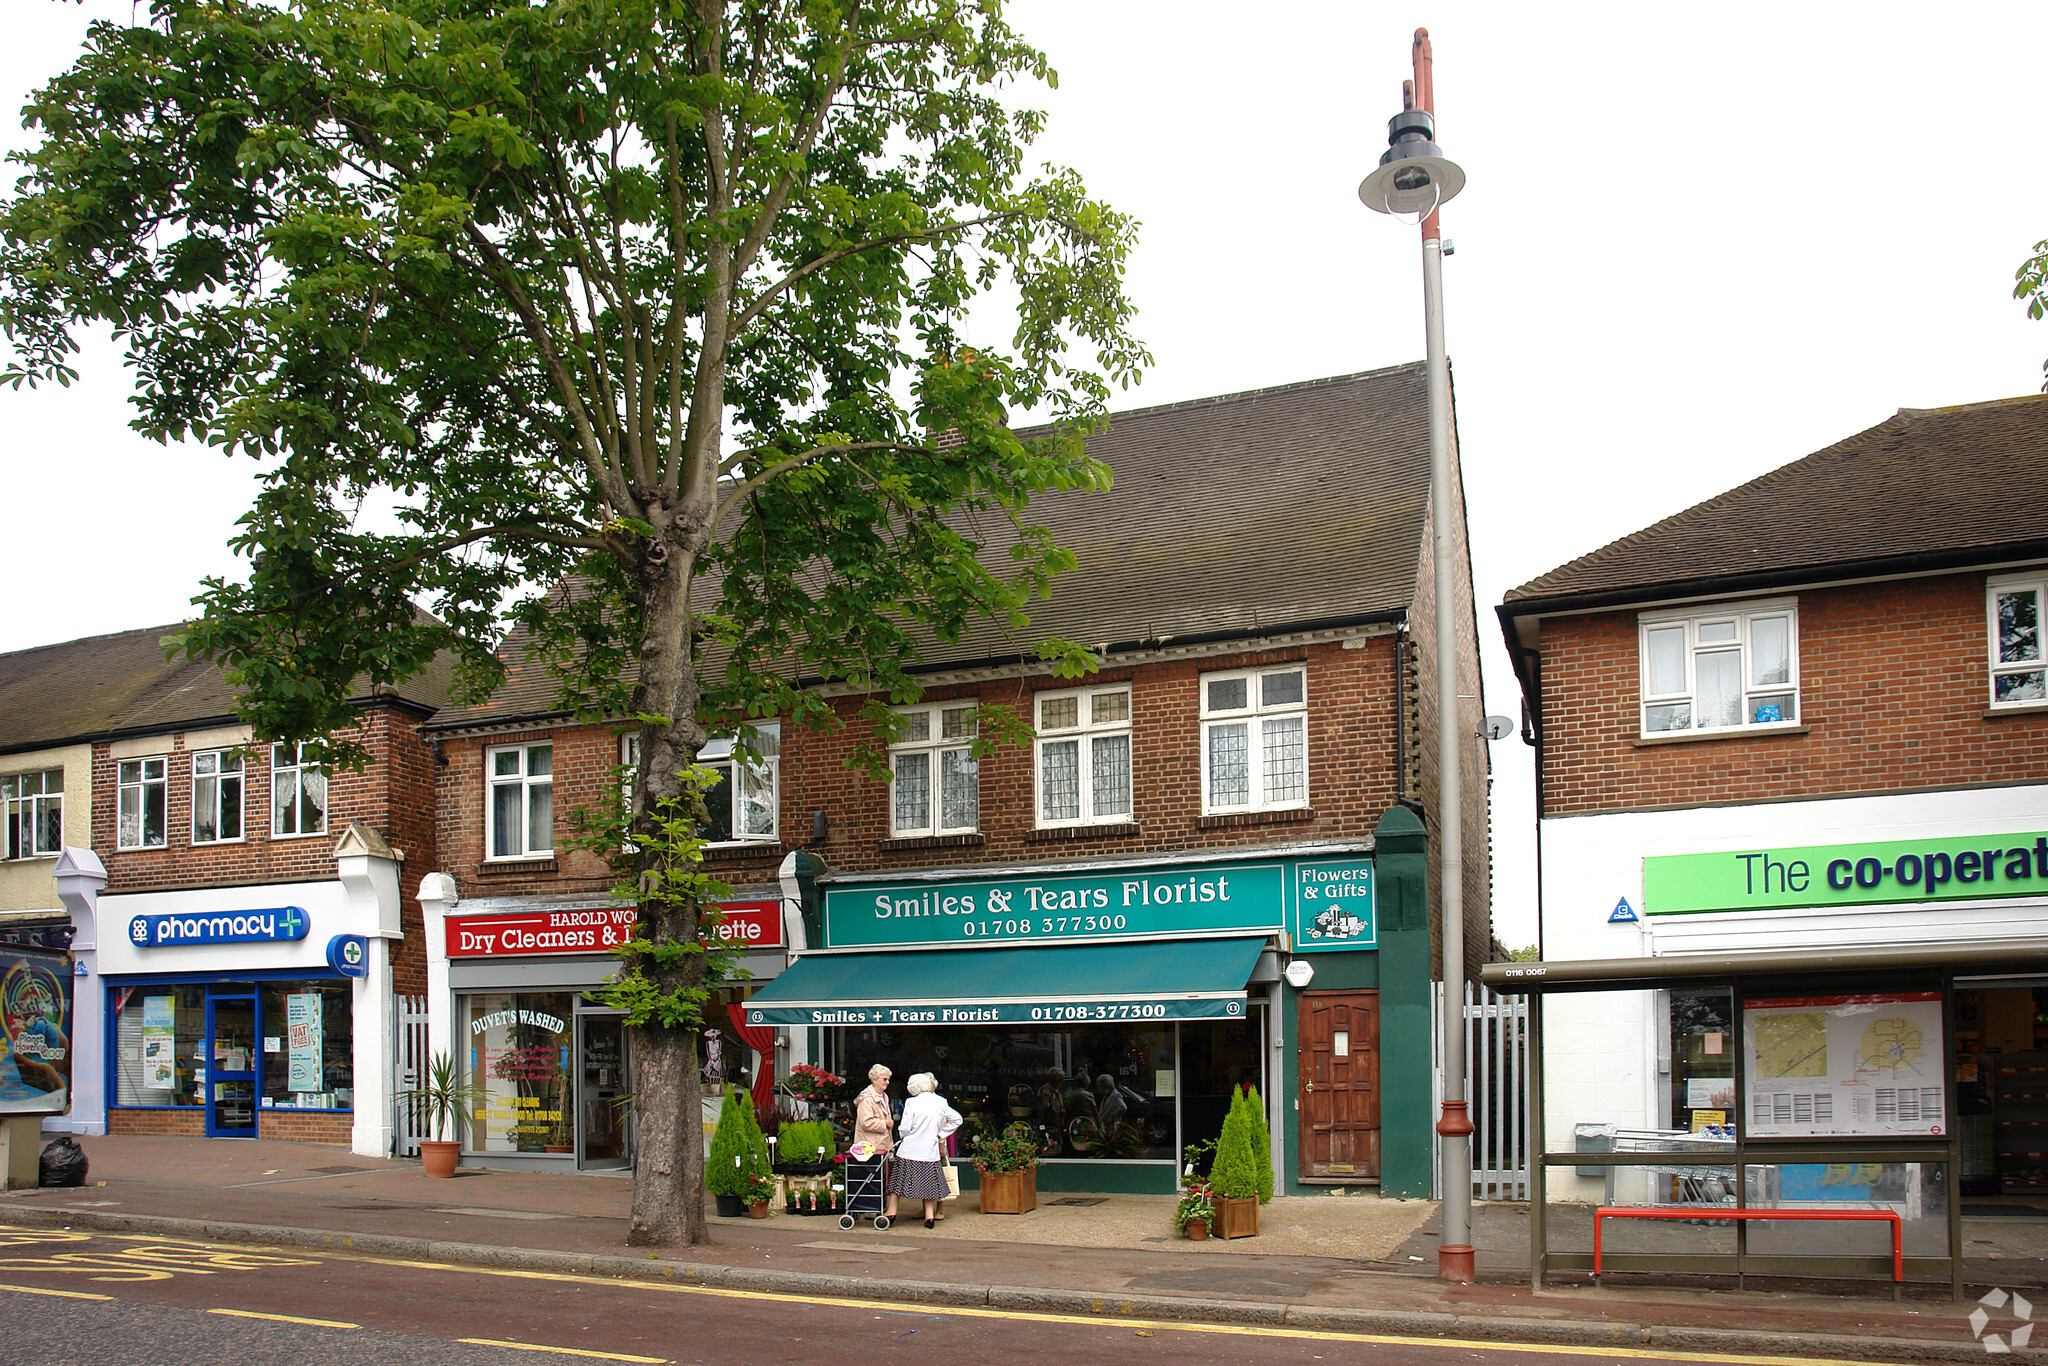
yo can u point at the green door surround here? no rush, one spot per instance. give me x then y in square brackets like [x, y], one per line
[1400, 970]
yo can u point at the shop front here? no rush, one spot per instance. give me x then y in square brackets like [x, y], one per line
[249, 1012]
[511, 984]
[1111, 1005]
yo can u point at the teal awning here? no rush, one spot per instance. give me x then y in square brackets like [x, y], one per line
[1171, 979]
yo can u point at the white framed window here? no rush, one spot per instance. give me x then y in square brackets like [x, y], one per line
[743, 806]
[144, 795]
[1084, 756]
[521, 811]
[1254, 740]
[1723, 669]
[34, 803]
[216, 796]
[298, 793]
[2019, 674]
[934, 779]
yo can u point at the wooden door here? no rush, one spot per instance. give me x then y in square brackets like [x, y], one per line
[1339, 1077]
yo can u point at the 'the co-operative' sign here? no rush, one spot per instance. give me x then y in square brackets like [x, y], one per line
[1963, 868]
[271, 925]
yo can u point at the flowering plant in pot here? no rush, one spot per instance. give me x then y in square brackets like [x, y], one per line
[439, 1101]
[757, 1190]
[1008, 1164]
[1196, 1209]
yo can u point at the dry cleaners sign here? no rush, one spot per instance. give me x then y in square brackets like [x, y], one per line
[273, 925]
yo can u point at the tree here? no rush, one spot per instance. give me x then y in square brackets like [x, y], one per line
[2030, 283]
[513, 270]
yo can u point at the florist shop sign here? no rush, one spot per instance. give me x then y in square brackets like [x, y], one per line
[1123, 903]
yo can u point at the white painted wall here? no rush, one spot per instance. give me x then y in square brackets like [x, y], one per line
[1603, 1058]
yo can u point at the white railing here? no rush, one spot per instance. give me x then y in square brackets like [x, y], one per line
[1496, 1090]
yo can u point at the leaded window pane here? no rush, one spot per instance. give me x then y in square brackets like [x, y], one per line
[913, 792]
[1230, 775]
[1111, 775]
[1770, 648]
[1059, 780]
[2019, 626]
[1286, 759]
[1107, 707]
[1665, 646]
[49, 825]
[1720, 687]
[1279, 690]
[959, 790]
[917, 725]
[757, 801]
[1229, 694]
[1059, 713]
[956, 723]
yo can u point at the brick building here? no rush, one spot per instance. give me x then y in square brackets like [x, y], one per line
[1793, 818]
[236, 912]
[1250, 755]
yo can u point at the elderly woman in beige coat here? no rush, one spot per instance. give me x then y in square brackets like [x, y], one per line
[872, 1120]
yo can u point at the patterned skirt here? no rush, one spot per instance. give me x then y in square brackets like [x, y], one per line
[918, 1180]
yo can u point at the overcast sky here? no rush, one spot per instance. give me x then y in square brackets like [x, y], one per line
[1697, 243]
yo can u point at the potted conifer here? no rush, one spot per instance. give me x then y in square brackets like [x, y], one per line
[1234, 1178]
[726, 1167]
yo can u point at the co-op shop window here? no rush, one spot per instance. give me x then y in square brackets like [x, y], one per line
[1729, 668]
[2017, 671]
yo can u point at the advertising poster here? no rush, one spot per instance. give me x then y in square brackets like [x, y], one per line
[35, 1051]
[159, 1042]
[1848, 1066]
[304, 1044]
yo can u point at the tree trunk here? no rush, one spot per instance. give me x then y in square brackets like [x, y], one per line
[668, 1185]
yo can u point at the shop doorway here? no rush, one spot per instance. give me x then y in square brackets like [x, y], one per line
[1339, 1096]
[605, 1111]
[231, 1066]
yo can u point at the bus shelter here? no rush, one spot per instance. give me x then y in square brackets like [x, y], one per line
[1790, 1098]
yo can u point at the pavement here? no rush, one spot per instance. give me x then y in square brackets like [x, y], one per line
[1351, 1263]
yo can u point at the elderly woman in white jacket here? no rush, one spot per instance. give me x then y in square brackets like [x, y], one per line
[919, 1169]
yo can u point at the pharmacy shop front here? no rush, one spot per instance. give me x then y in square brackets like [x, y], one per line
[511, 983]
[1113, 1006]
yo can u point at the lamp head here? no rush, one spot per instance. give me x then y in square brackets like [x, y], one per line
[1413, 176]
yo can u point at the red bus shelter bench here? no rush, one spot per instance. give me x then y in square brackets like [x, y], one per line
[1720, 1212]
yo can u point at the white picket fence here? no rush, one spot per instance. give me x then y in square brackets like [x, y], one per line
[1496, 1090]
[409, 1064]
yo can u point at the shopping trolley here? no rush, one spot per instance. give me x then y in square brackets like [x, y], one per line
[866, 1191]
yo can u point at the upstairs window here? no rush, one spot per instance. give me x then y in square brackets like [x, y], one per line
[521, 823]
[298, 793]
[741, 807]
[1084, 756]
[935, 781]
[34, 803]
[1732, 668]
[1254, 740]
[144, 794]
[216, 796]
[2017, 668]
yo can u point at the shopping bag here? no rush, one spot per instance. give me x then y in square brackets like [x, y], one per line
[952, 1182]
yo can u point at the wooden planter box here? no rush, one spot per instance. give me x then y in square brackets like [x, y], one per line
[1009, 1192]
[1237, 1217]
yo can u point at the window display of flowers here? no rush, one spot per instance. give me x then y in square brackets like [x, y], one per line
[806, 1082]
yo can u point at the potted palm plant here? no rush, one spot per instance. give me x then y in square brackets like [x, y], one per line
[440, 1101]
[1008, 1164]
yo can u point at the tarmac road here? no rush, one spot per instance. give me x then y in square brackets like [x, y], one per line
[77, 1297]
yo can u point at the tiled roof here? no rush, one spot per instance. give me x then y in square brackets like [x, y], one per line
[123, 682]
[1237, 515]
[1929, 485]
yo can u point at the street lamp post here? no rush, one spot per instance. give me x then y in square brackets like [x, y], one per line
[1414, 177]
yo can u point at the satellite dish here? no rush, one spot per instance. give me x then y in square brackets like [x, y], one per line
[1497, 727]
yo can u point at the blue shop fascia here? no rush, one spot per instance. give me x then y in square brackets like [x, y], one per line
[1114, 1004]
